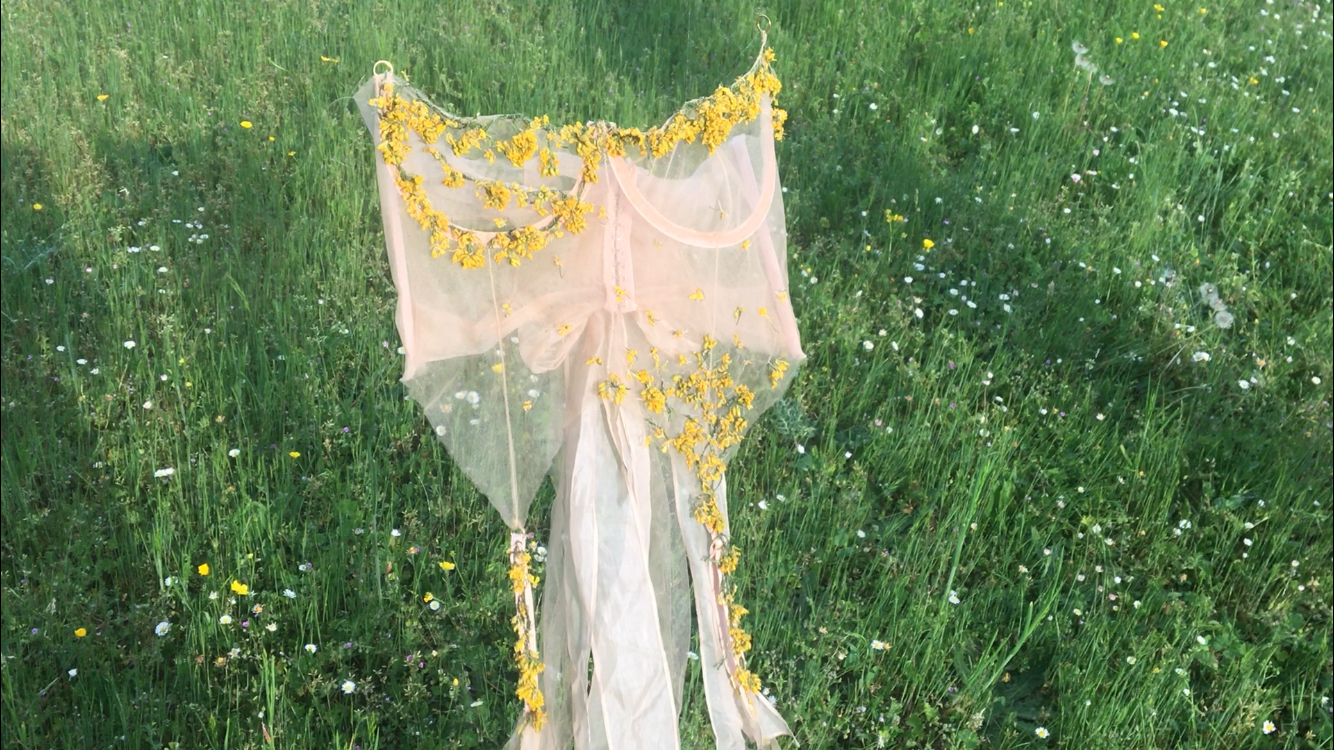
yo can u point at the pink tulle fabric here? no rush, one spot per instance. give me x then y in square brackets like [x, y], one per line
[679, 247]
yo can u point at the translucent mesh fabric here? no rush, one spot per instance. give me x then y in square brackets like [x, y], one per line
[548, 366]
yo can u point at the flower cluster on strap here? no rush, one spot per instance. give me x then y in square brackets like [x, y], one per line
[713, 403]
[526, 656]
[708, 120]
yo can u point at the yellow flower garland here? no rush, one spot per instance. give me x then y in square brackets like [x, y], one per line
[715, 425]
[527, 660]
[708, 120]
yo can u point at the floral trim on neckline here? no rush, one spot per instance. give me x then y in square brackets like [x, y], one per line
[708, 120]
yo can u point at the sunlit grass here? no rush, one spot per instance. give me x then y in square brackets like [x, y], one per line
[1028, 490]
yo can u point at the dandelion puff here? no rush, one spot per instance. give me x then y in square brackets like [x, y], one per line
[1079, 48]
[1208, 292]
[1106, 80]
[1216, 304]
[1223, 319]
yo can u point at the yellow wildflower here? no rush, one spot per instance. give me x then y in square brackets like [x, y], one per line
[446, 565]
[333, 60]
[612, 389]
[246, 124]
[928, 244]
[748, 680]
[1162, 42]
[294, 454]
[80, 632]
[654, 399]
[550, 166]
[728, 564]
[520, 148]
[203, 569]
[468, 140]
[240, 589]
[102, 97]
[493, 195]
[37, 207]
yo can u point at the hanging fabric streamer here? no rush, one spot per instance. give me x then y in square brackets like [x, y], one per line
[608, 306]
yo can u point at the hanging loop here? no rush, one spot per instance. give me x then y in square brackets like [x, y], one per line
[762, 23]
[389, 67]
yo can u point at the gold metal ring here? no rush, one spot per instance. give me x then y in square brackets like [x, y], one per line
[767, 23]
[389, 67]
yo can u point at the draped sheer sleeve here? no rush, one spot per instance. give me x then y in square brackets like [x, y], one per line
[471, 334]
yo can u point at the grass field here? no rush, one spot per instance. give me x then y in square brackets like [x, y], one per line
[1030, 489]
